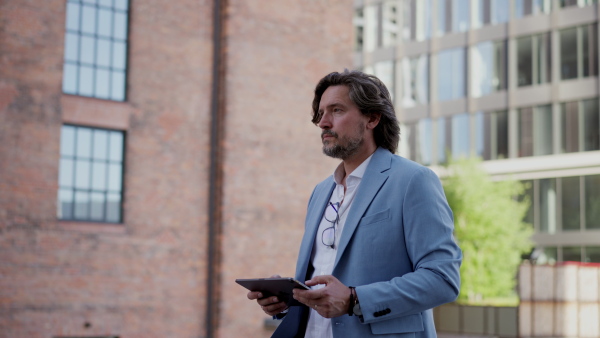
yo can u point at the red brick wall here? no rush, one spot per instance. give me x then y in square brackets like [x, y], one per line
[147, 277]
[277, 52]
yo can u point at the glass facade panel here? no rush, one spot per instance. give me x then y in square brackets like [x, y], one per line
[591, 124]
[568, 58]
[592, 201]
[385, 72]
[451, 74]
[420, 141]
[570, 127]
[571, 219]
[95, 48]
[359, 27]
[415, 73]
[548, 256]
[534, 60]
[460, 136]
[461, 12]
[532, 7]
[488, 62]
[592, 254]
[547, 205]
[417, 20]
[571, 254]
[525, 132]
[389, 25]
[542, 131]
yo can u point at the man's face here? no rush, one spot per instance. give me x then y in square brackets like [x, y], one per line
[343, 125]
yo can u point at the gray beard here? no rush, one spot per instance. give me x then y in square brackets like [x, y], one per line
[344, 151]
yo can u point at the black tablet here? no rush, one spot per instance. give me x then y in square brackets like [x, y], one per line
[281, 287]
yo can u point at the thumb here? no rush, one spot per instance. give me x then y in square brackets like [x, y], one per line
[326, 279]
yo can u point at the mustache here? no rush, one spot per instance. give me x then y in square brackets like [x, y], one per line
[328, 132]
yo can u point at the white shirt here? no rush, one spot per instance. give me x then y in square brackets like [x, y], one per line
[323, 257]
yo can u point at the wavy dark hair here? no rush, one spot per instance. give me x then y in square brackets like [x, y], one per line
[370, 96]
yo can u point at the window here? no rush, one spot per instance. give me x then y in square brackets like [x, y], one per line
[90, 174]
[532, 7]
[385, 72]
[547, 205]
[535, 131]
[444, 138]
[578, 52]
[571, 254]
[490, 12]
[579, 3]
[96, 49]
[592, 201]
[417, 20]
[415, 73]
[580, 126]
[461, 136]
[451, 65]
[359, 27]
[592, 254]
[419, 139]
[534, 60]
[453, 16]
[489, 71]
[378, 25]
[547, 256]
[492, 134]
[571, 219]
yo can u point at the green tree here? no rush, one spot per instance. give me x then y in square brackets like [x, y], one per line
[489, 228]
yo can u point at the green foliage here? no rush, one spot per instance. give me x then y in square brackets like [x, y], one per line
[489, 228]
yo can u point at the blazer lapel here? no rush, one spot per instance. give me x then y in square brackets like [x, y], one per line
[313, 219]
[374, 177]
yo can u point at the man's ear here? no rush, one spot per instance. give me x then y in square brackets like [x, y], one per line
[373, 121]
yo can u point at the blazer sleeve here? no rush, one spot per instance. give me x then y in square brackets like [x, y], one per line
[434, 255]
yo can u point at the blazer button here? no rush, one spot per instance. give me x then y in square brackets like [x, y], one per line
[387, 311]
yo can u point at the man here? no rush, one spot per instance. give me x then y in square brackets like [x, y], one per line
[378, 250]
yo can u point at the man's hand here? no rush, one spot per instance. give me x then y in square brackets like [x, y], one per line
[331, 301]
[270, 305]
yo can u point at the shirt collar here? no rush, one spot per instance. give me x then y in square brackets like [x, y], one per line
[338, 174]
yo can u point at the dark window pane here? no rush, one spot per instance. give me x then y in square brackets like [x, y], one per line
[501, 135]
[592, 254]
[591, 125]
[528, 195]
[592, 202]
[570, 203]
[543, 57]
[524, 61]
[570, 124]
[568, 54]
[572, 254]
[525, 132]
[548, 256]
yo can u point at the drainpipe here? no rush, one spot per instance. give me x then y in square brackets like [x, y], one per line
[215, 176]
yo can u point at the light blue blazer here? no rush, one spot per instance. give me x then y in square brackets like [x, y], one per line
[396, 248]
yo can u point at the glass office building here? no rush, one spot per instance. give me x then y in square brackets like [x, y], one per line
[514, 82]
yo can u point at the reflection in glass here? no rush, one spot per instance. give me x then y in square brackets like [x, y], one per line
[492, 135]
[488, 68]
[417, 20]
[548, 256]
[389, 23]
[415, 73]
[548, 205]
[461, 11]
[570, 203]
[592, 201]
[419, 139]
[385, 72]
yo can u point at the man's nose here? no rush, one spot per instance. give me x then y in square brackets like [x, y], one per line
[325, 122]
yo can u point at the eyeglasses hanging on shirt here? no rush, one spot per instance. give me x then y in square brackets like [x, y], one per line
[332, 216]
